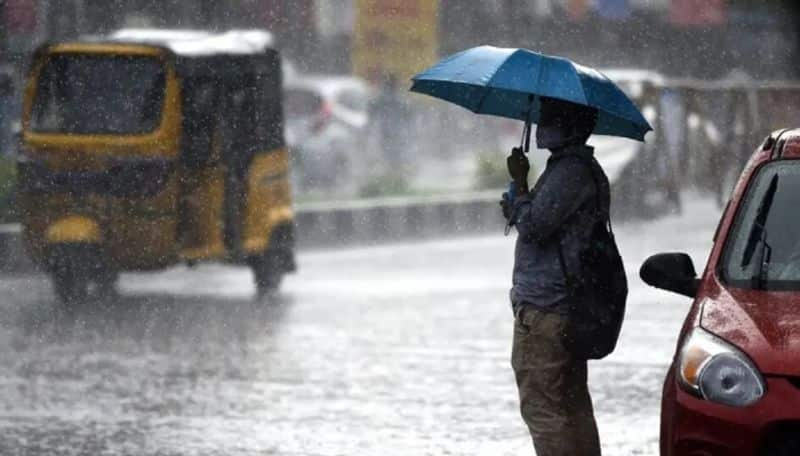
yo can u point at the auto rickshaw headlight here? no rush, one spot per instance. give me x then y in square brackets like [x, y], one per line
[715, 370]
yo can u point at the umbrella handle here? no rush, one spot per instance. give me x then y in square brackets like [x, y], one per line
[525, 142]
[528, 138]
[524, 135]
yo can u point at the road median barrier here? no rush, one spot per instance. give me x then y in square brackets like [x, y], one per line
[349, 223]
[381, 220]
[13, 257]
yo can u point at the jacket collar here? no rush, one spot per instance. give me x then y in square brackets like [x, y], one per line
[580, 150]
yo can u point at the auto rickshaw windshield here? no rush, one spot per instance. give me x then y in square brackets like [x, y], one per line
[92, 94]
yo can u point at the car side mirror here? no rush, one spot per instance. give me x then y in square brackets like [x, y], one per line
[671, 271]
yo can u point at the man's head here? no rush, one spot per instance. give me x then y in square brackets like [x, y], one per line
[562, 124]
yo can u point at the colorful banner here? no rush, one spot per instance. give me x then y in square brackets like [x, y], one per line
[20, 16]
[394, 38]
[698, 12]
[613, 10]
[285, 18]
[577, 10]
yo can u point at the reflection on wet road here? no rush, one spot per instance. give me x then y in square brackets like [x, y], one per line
[398, 350]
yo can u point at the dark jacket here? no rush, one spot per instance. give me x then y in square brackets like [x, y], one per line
[561, 208]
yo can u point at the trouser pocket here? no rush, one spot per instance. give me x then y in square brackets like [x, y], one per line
[538, 337]
[527, 319]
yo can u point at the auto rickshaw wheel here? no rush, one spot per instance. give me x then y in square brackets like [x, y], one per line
[270, 267]
[76, 269]
[267, 272]
[70, 287]
[105, 282]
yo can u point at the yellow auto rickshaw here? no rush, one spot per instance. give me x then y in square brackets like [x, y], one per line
[143, 149]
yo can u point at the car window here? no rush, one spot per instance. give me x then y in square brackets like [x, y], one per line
[353, 99]
[763, 250]
[301, 103]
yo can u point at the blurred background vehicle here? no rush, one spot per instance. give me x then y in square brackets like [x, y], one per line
[148, 148]
[326, 116]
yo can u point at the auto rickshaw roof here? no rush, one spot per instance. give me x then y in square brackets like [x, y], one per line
[204, 53]
[198, 43]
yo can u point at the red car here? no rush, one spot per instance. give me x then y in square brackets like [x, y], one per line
[734, 384]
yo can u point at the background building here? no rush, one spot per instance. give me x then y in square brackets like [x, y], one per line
[700, 38]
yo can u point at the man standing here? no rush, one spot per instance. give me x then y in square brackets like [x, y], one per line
[554, 222]
[6, 93]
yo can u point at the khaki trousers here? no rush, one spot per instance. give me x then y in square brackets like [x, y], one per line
[553, 392]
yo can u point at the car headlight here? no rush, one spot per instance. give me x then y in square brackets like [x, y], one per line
[717, 371]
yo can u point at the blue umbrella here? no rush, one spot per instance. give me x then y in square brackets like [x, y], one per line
[509, 83]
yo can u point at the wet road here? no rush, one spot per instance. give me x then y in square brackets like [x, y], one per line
[399, 350]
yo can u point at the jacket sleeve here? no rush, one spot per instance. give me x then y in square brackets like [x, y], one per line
[568, 185]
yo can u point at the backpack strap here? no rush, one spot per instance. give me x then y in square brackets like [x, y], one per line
[603, 212]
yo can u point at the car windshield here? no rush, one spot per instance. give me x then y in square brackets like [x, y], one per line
[763, 250]
[85, 94]
[301, 103]
[354, 99]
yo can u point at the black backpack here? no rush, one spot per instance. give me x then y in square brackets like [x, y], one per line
[596, 303]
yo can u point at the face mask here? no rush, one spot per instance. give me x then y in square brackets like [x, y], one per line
[552, 137]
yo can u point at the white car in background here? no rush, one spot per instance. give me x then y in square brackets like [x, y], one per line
[326, 120]
[635, 168]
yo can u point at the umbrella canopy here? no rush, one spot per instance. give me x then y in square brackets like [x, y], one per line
[509, 83]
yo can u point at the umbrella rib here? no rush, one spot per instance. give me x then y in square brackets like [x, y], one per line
[583, 88]
[634, 122]
[488, 86]
[483, 98]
